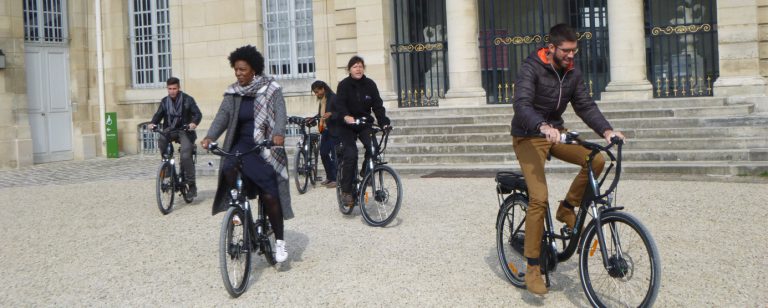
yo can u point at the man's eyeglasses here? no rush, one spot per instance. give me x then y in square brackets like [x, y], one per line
[567, 51]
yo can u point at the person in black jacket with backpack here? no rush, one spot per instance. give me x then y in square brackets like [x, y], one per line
[176, 110]
[356, 97]
[546, 82]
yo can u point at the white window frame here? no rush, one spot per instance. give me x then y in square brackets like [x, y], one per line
[154, 74]
[48, 27]
[274, 61]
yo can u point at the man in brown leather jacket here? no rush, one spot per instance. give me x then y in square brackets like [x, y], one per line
[546, 82]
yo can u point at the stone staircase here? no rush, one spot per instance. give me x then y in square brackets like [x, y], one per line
[687, 136]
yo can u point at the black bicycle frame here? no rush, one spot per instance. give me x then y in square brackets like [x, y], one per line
[591, 194]
[240, 200]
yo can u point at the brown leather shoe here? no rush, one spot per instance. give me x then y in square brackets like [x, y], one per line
[533, 281]
[566, 215]
[348, 199]
[330, 184]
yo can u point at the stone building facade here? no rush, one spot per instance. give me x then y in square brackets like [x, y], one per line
[69, 61]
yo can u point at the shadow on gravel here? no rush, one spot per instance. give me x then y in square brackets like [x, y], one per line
[296, 244]
[561, 282]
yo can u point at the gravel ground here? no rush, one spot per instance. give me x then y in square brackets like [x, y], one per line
[106, 244]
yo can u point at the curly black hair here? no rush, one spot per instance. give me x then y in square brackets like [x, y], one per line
[250, 55]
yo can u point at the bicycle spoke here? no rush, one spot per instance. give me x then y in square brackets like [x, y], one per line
[381, 196]
[631, 278]
[510, 234]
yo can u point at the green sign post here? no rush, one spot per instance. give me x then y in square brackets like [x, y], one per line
[111, 128]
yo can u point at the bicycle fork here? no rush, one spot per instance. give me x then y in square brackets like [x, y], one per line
[597, 214]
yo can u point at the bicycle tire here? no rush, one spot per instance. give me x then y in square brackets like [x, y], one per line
[627, 266]
[377, 208]
[165, 188]
[301, 177]
[234, 247]
[314, 154]
[267, 245]
[510, 238]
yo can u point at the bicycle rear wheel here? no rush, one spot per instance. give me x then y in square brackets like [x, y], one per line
[234, 252]
[510, 238]
[633, 276]
[165, 187]
[380, 196]
[302, 174]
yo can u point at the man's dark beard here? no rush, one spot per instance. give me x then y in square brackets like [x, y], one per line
[558, 62]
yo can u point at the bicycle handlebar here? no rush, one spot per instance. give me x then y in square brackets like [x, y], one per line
[302, 121]
[573, 138]
[184, 128]
[214, 149]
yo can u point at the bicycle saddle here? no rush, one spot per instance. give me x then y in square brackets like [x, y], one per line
[508, 181]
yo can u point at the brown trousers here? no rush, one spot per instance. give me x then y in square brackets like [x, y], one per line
[531, 153]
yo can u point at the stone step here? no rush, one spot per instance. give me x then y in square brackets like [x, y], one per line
[604, 105]
[699, 132]
[620, 124]
[724, 162]
[635, 144]
[707, 168]
[570, 116]
[756, 155]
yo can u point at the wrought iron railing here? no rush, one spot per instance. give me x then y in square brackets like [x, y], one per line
[420, 52]
[682, 47]
[510, 30]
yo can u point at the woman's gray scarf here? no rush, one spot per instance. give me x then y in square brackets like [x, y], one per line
[263, 89]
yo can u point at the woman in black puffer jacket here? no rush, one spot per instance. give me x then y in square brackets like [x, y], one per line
[356, 96]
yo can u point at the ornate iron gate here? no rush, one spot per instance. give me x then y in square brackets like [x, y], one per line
[420, 52]
[682, 50]
[511, 29]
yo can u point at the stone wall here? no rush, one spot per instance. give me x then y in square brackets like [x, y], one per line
[15, 135]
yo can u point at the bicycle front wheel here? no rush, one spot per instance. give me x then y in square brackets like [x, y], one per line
[380, 196]
[315, 153]
[510, 238]
[234, 252]
[165, 187]
[633, 275]
[302, 174]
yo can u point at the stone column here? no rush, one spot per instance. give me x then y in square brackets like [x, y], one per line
[738, 49]
[373, 28]
[463, 55]
[626, 38]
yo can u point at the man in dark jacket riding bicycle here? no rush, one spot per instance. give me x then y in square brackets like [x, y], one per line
[546, 82]
[177, 110]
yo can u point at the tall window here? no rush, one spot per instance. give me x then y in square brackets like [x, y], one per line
[289, 38]
[45, 21]
[150, 38]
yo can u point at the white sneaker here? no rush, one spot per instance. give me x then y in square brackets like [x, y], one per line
[280, 253]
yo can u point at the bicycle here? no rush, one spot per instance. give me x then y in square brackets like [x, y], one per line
[169, 180]
[307, 152]
[240, 233]
[609, 256]
[375, 191]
